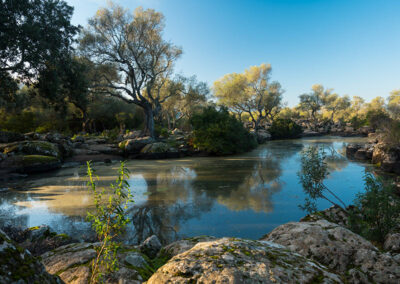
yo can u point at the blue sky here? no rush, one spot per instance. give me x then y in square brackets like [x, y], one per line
[352, 46]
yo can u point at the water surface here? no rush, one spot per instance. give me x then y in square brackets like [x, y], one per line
[244, 195]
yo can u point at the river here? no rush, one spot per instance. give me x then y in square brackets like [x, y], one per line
[244, 195]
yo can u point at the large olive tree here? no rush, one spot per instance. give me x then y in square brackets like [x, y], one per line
[250, 92]
[133, 44]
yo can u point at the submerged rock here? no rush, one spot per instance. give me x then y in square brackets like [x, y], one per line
[17, 265]
[339, 249]
[231, 260]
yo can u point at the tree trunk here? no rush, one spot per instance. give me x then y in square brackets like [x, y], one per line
[149, 121]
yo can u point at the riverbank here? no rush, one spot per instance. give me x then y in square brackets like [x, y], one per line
[32, 153]
[317, 249]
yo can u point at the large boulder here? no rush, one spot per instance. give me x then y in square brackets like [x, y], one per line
[17, 265]
[43, 148]
[183, 245]
[231, 260]
[133, 146]
[351, 150]
[30, 163]
[151, 246]
[108, 149]
[388, 157]
[7, 137]
[73, 264]
[341, 250]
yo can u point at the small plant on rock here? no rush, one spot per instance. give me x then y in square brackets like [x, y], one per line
[108, 220]
[314, 171]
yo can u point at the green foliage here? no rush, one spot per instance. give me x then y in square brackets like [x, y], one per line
[376, 117]
[108, 221]
[357, 122]
[314, 170]
[376, 211]
[34, 33]
[218, 132]
[284, 128]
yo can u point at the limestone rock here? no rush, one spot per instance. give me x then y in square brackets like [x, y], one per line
[72, 263]
[231, 260]
[263, 136]
[338, 248]
[157, 148]
[392, 242]
[133, 146]
[184, 245]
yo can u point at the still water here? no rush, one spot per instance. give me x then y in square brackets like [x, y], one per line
[245, 195]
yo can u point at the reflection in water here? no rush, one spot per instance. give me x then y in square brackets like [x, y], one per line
[244, 195]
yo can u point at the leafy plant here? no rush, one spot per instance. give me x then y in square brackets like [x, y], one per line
[314, 170]
[108, 220]
[218, 132]
[284, 128]
[376, 211]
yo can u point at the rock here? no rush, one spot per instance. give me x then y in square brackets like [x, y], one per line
[133, 146]
[95, 141]
[7, 137]
[132, 135]
[361, 154]
[33, 148]
[136, 259]
[109, 149]
[392, 242]
[181, 246]
[263, 136]
[78, 152]
[151, 246]
[349, 129]
[17, 265]
[333, 214]
[37, 240]
[310, 133]
[72, 263]
[157, 148]
[79, 139]
[351, 150]
[365, 130]
[30, 163]
[231, 260]
[338, 248]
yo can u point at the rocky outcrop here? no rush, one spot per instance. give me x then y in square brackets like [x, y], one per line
[133, 146]
[30, 163]
[338, 248]
[158, 150]
[262, 136]
[73, 264]
[231, 260]
[385, 156]
[17, 265]
[151, 246]
[42, 148]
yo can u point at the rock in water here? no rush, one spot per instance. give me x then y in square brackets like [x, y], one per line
[231, 260]
[339, 249]
[17, 265]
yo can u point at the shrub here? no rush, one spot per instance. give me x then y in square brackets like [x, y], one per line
[108, 220]
[284, 128]
[376, 211]
[218, 132]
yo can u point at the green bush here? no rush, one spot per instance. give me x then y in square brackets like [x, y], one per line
[218, 132]
[284, 128]
[376, 211]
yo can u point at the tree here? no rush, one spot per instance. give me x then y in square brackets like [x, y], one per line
[186, 96]
[34, 32]
[65, 82]
[133, 44]
[394, 104]
[335, 104]
[313, 102]
[251, 93]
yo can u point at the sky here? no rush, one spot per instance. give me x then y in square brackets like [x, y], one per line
[352, 46]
